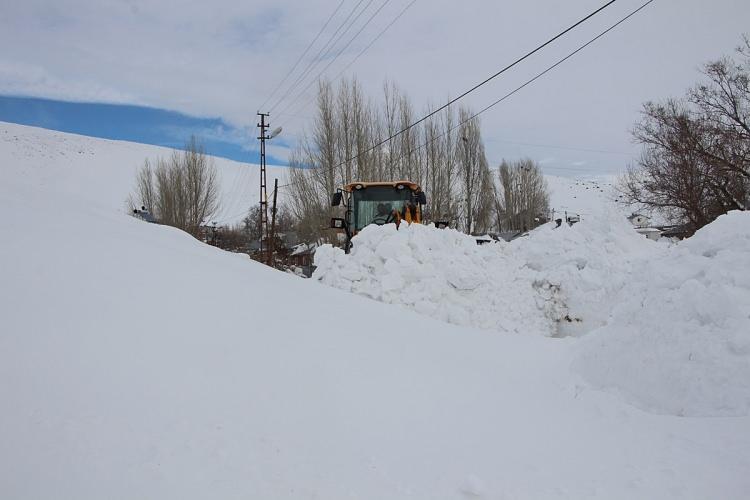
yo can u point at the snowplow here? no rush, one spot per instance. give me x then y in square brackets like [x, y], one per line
[378, 203]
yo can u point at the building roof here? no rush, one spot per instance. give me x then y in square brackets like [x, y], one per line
[303, 248]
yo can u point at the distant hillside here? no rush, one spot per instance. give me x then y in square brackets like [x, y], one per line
[103, 171]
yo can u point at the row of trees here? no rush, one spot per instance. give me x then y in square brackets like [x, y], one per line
[695, 163]
[444, 154]
[183, 191]
[523, 196]
[180, 191]
[694, 167]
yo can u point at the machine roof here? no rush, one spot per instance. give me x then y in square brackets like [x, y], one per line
[411, 185]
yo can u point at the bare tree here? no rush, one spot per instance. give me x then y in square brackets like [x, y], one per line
[724, 110]
[454, 173]
[443, 191]
[476, 192]
[145, 189]
[523, 198]
[695, 163]
[182, 191]
[673, 177]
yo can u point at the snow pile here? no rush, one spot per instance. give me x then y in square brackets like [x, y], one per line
[678, 337]
[669, 325]
[591, 261]
[441, 273]
[553, 282]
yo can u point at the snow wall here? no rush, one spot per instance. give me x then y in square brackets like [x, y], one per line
[665, 326]
[441, 273]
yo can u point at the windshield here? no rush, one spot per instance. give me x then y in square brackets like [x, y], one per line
[375, 204]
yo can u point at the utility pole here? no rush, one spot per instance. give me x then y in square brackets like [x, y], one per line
[263, 192]
[272, 239]
[265, 136]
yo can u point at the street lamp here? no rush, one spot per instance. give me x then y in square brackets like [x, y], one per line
[275, 132]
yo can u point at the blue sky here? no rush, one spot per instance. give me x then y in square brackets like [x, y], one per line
[137, 124]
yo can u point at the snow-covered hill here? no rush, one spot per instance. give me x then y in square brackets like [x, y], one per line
[136, 362]
[76, 164]
[585, 197]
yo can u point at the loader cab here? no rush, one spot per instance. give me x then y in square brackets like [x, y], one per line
[377, 203]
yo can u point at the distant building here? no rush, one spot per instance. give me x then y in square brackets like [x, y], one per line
[651, 233]
[301, 256]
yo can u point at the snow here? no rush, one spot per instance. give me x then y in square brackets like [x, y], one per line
[668, 327]
[440, 273]
[580, 196]
[678, 337]
[591, 261]
[136, 362]
[74, 164]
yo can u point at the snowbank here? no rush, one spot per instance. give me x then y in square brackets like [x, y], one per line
[440, 273]
[669, 325]
[552, 282]
[592, 262]
[677, 339]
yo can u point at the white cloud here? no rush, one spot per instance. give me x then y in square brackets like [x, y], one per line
[19, 78]
[223, 58]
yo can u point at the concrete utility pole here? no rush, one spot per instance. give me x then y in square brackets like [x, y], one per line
[263, 192]
[272, 239]
[263, 137]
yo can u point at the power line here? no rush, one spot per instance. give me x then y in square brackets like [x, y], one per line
[233, 217]
[494, 165]
[324, 50]
[230, 218]
[528, 82]
[293, 115]
[369, 20]
[229, 196]
[234, 182]
[570, 148]
[317, 58]
[309, 46]
[237, 191]
[362, 52]
[377, 37]
[475, 87]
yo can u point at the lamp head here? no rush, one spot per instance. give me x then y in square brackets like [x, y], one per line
[275, 132]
